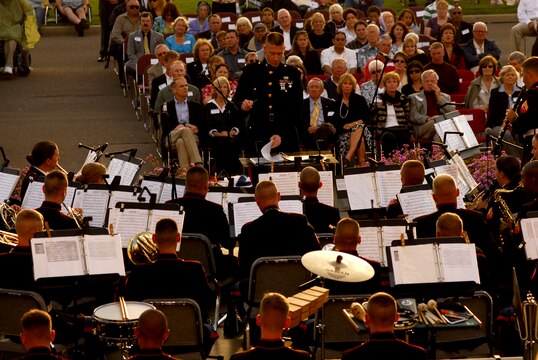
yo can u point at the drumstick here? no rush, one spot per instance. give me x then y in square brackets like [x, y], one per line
[123, 309]
[472, 315]
[433, 304]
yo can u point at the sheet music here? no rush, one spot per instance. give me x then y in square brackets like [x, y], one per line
[154, 187]
[122, 196]
[529, 230]
[286, 182]
[459, 262]
[127, 170]
[369, 246]
[128, 222]
[291, 206]
[464, 172]
[157, 215]
[233, 198]
[360, 191]
[414, 264]
[93, 202]
[54, 257]
[34, 196]
[244, 212]
[326, 193]
[389, 184]
[7, 184]
[104, 255]
[214, 196]
[417, 203]
[166, 194]
[462, 124]
[454, 141]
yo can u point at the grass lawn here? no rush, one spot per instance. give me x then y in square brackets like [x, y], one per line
[471, 7]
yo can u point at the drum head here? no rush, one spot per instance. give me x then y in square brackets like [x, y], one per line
[112, 312]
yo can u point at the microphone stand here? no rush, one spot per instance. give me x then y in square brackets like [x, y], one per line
[99, 150]
[373, 108]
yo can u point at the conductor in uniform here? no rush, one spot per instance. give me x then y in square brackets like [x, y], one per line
[269, 93]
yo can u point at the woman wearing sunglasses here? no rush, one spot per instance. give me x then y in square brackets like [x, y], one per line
[480, 89]
[414, 82]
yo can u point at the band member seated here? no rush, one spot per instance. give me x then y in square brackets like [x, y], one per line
[43, 158]
[380, 318]
[321, 216]
[18, 262]
[55, 190]
[170, 277]
[37, 335]
[272, 319]
[412, 173]
[92, 173]
[346, 239]
[151, 332]
[445, 194]
[275, 233]
[198, 211]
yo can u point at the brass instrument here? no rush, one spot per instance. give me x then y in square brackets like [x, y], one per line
[141, 249]
[9, 239]
[8, 215]
[506, 213]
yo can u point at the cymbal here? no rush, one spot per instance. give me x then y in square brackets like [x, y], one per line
[339, 266]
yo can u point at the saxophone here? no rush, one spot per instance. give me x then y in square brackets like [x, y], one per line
[506, 213]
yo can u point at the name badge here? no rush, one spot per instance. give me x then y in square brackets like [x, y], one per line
[419, 98]
[240, 61]
[189, 93]
[214, 111]
[465, 32]
[187, 42]
[162, 86]
[330, 113]
[137, 38]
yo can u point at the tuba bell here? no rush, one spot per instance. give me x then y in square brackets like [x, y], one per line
[141, 249]
[9, 239]
[8, 214]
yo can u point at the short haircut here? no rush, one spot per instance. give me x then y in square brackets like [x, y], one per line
[41, 152]
[427, 74]
[310, 177]
[339, 33]
[517, 55]
[166, 232]
[275, 39]
[347, 232]
[55, 182]
[214, 16]
[27, 221]
[411, 36]
[479, 23]
[317, 80]
[274, 309]
[171, 55]
[506, 69]
[217, 83]
[413, 171]
[146, 14]
[415, 64]
[245, 21]
[391, 75]
[444, 185]
[447, 26]
[449, 224]
[402, 55]
[361, 22]
[510, 166]
[350, 11]
[437, 45]
[385, 37]
[318, 15]
[152, 324]
[488, 59]
[181, 19]
[382, 309]
[337, 60]
[266, 190]
[269, 10]
[531, 170]
[37, 324]
[374, 65]
[174, 84]
[197, 178]
[531, 64]
[373, 26]
[335, 8]
[373, 9]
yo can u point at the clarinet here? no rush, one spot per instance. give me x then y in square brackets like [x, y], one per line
[504, 127]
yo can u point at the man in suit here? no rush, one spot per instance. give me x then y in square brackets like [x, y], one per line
[383, 344]
[37, 335]
[425, 105]
[163, 80]
[183, 125]
[142, 41]
[215, 25]
[323, 217]
[317, 128]
[285, 27]
[159, 68]
[274, 233]
[478, 47]
[198, 211]
[55, 189]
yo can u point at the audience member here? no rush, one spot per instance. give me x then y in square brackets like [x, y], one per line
[233, 54]
[219, 6]
[464, 30]
[453, 52]
[386, 22]
[408, 18]
[285, 27]
[105, 11]
[336, 20]
[479, 90]
[303, 49]
[448, 75]
[339, 68]
[200, 23]
[338, 50]
[255, 44]
[141, 42]
[215, 25]
[75, 12]
[158, 68]
[400, 66]
[164, 24]
[412, 51]
[527, 13]
[317, 120]
[244, 31]
[434, 24]
[351, 18]
[268, 18]
[198, 69]
[414, 82]
[516, 59]
[55, 190]
[220, 69]
[368, 51]
[368, 88]
[319, 35]
[170, 58]
[181, 41]
[37, 335]
[361, 38]
[177, 70]
[478, 47]
[397, 34]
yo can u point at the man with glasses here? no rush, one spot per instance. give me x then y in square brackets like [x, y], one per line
[464, 30]
[159, 68]
[338, 50]
[478, 47]
[124, 25]
[448, 75]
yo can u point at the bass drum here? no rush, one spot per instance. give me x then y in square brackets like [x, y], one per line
[111, 326]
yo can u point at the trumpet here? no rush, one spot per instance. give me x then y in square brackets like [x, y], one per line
[9, 239]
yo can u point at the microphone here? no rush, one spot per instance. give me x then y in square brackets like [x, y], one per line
[387, 57]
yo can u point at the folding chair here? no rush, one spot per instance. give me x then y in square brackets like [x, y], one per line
[139, 84]
[466, 75]
[253, 16]
[274, 274]
[185, 323]
[13, 305]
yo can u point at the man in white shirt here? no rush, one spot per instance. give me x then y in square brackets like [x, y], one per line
[285, 27]
[338, 50]
[527, 14]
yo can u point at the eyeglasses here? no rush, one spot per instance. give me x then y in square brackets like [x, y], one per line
[487, 66]
[161, 54]
[399, 61]
[456, 12]
[415, 71]
[134, 7]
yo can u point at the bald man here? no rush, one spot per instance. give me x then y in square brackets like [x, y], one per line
[37, 335]
[322, 217]
[383, 344]
[275, 233]
[272, 319]
[449, 224]
[445, 194]
[151, 333]
[18, 262]
[412, 173]
[346, 239]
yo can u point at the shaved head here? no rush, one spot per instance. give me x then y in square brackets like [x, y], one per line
[309, 180]
[445, 190]
[347, 235]
[266, 194]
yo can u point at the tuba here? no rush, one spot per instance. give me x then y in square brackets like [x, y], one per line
[141, 249]
[8, 215]
[9, 239]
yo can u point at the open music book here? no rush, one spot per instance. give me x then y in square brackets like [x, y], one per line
[529, 230]
[77, 255]
[288, 184]
[34, 196]
[8, 180]
[456, 124]
[94, 200]
[129, 219]
[367, 189]
[432, 262]
[247, 210]
[125, 166]
[163, 190]
[374, 239]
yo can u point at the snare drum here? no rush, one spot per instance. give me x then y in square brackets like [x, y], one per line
[110, 324]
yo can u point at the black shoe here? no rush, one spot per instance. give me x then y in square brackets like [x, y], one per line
[80, 29]
[85, 24]
[101, 59]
